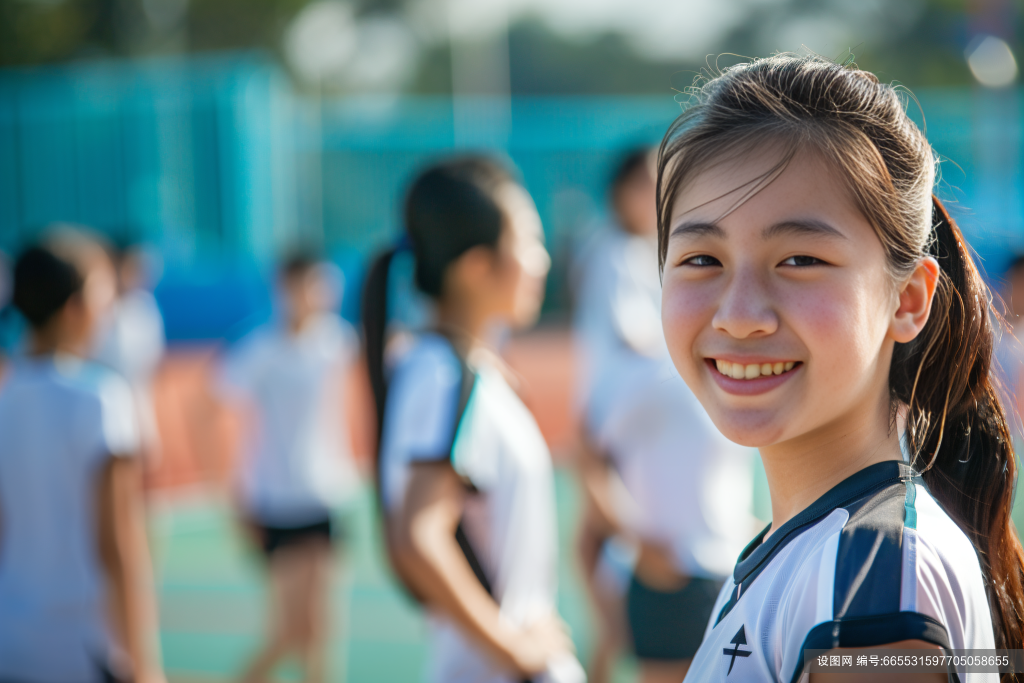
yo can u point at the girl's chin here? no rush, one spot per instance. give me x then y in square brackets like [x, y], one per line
[754, 429]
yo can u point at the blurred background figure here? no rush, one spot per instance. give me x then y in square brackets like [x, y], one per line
[75, 579]
[131, 337]
[465, 476]
[296, 469]
[667, 497]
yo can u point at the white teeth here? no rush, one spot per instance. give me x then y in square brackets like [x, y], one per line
[752, 371]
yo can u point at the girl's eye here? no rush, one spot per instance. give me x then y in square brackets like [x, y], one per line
[802, 261]
[702, 260]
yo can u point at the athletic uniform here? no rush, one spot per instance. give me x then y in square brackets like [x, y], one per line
[873, 561]
[439, 409]
[132, 343]
[61, 420]
[297, 467]
[683, 478]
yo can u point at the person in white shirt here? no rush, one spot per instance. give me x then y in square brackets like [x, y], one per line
[131, 339]
[77, 603]
[661, 480]
[817, 296]
[464, 475]
[297, 467]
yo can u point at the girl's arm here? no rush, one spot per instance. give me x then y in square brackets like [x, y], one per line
[655, 564]
[596, 475]
[124, 551]
[432, 560]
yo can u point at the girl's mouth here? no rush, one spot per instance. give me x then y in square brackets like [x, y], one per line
[753, 370]
[751, 379]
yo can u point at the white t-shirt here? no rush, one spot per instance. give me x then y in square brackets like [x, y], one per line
[131, 340]
[61, 419]
[873, 561]
[688, 487]
[297, 465]
[510, 520]
[132, 343]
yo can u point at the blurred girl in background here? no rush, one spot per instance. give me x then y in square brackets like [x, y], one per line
[75, 577]
[465, 476]
[297, 468]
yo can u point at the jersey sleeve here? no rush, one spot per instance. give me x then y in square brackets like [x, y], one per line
[119, 433]
[423, 397]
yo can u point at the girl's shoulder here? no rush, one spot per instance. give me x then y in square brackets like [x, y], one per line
[424, 359]
[874, 561]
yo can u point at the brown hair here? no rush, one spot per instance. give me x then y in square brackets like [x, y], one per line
[956, 426]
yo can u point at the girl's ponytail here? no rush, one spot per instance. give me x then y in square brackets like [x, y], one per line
[375, 320]
[956, 426]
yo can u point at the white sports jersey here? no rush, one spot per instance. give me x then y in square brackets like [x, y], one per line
[61, 420]
[132, 343]
[496, 446]
[297, 465]
[683, 477]
[873, 561]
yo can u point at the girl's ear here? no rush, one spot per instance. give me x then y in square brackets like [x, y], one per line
[915, 302]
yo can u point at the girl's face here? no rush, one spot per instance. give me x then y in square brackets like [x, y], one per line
[779, 315]
[522, 263]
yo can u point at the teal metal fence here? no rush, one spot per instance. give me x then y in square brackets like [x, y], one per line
[220, 164]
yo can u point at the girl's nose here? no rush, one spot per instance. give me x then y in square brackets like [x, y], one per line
[745, 308]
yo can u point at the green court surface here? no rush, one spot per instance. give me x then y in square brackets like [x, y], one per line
[211, 586]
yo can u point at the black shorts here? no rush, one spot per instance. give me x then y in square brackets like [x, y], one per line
[669, 626]
[273, 538]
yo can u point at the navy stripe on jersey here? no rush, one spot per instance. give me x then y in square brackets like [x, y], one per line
[756, 556]
[870, 558]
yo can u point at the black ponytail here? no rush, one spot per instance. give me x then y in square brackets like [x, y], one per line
[956, 426]
[374, 315]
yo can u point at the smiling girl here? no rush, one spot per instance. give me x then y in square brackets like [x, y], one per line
[816, 296]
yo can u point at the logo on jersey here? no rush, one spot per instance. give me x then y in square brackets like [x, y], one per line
[739, 639]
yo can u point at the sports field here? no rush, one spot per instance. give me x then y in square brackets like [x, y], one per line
[211, 586]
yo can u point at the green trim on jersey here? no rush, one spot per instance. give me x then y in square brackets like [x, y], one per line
[909, 511]
[465, 419]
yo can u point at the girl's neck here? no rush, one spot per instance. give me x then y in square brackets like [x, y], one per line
[803, 469]
[50, 341]
[465, 324]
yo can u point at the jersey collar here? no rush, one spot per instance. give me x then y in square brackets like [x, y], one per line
[759, 552]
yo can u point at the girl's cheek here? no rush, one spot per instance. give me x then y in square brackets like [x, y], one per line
[683, 315]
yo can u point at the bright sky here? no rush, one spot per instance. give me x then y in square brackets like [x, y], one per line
[673, 29]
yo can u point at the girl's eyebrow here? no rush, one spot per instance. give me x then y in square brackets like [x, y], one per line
[807, 227]
[697, 229]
